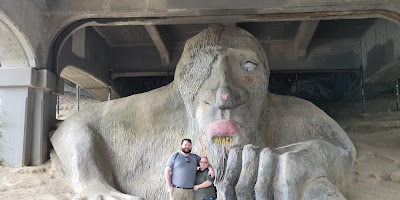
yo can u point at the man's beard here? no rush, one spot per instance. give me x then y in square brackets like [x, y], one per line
[186, 150]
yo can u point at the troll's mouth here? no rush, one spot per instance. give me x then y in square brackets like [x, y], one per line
[223, 140]
[223, 131]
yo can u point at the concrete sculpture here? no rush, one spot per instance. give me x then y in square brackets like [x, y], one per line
[263, 146]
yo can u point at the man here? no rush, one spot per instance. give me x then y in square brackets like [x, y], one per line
[204, 188]
[183, 166]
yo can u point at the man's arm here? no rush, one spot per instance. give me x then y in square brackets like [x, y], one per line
[203, 185]
[168, 178]
[210, 171]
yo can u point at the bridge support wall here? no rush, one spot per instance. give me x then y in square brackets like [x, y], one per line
[27, 106]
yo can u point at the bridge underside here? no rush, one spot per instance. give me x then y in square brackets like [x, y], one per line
[136, 58]
[318, 48]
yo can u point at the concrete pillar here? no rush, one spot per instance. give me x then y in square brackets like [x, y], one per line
[27, 106]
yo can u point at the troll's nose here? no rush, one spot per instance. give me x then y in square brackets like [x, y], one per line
[224, 97]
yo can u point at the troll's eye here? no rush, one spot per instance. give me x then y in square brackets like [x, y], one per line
[249, 66]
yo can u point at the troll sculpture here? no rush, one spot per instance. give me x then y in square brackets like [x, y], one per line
[263, 146]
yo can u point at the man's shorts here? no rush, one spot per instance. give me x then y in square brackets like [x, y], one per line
[181, 194]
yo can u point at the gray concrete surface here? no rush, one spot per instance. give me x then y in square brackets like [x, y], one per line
[290, 149]
[28, 110]
[38, 34]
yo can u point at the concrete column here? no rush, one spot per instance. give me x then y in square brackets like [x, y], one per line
[27, 98]
[40, 118]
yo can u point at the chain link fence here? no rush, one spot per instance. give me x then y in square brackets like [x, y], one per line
[70, 88]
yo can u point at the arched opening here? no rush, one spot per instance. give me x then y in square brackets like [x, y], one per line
[96, 87]
[15, 50]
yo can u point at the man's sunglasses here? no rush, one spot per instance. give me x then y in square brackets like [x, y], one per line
[187, 159]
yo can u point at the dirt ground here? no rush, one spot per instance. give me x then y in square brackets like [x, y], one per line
[376, 174]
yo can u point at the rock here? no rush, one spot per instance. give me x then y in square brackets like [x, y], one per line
[377, 177]
[56, 167]
[395, 176]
